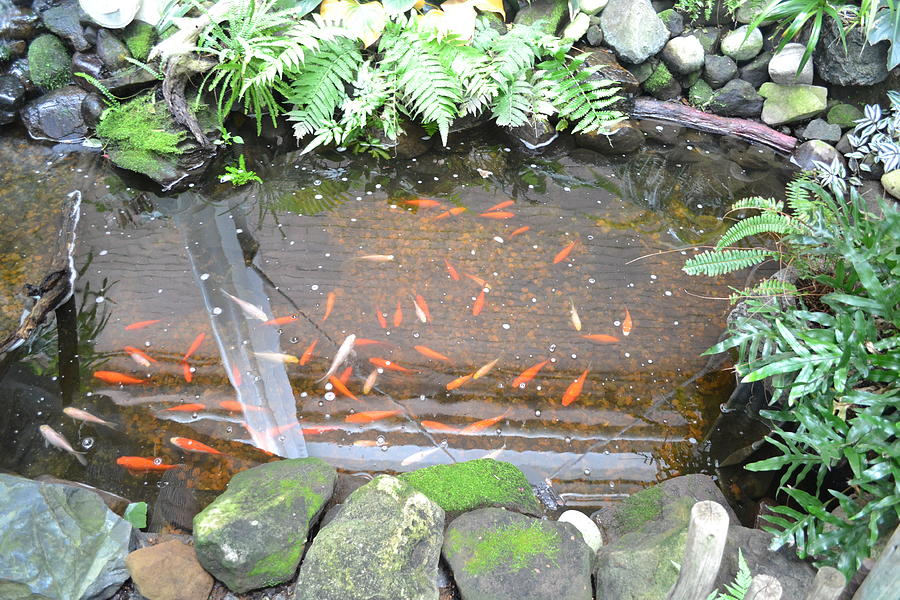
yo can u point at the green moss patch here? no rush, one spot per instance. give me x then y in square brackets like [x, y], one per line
[659, 79]
[700, 94]
[510, 548]
[49, 62]
[639, 508]
[140, 134]
[140, 37]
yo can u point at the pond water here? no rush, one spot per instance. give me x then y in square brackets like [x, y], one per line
[465, 286]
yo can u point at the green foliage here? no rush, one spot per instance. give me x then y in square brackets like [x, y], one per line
[737, 589]
[240, 174]
[579, 98]
[49, 62]
[883, 23]
[694, 9]
[136, 514]
[141, 132]
[108, 96]
[139, 38]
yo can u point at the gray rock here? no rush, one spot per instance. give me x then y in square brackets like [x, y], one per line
[20, 70]
[550, 12]
[709, 37]
[111, 50]
[819, 129]
[59, 542]
[12, 93]
[784, 65]
[633, 29]
[496, 554]
[577, 28]
[594, 36]
[735, 46]
[683, 54]
[63, 20]
[56, 116]
[749, 10]
[10, 49]
[643, 71]
[862, 64]
[384, 543]
[661, 84]
[791, 103]
[673, 21]
[718, 70]
[114, 502]
[18, 24]
[808, 153]
[253, 535]
[536, 134]
[624, 138]
[737, 98]
[607, 67]
[89, 64]
[757, 70]
[92, 108]
[794, 575]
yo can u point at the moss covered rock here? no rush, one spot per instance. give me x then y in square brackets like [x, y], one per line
[495, 553]
[791, 103]
[700, 93]
[384, 543]
[550, 12]
[140, 37]
[844, 115]
[475, 484]
[661, 84]
[49, 62]
[253, 535]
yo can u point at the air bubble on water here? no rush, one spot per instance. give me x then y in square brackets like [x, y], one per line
[100, 300]
[617, 323]
[537, 413]
[628, 355]
[204, 276]
[422, 397]
[314, 287]
[533, 300]
[294, 340]
[653, 277]
[329, 396]
[505, 325]
[384, 448]
[612, 484]
[606, 452]
[281, 438]
[587, 471]
[328, 386]
[321, 403]
[157, 461]
[649, 361]
[380, 440]
[303, 394]
[415, 334]
[692, 440]
[280, 330]
[590, 237]
[668, 293]
[87, 443]
[216, 310]
[674, 322]
[104, 252]
[498, 239]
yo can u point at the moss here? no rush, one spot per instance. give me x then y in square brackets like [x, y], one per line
[659, 79]
[639, 508]
[311, 499]
[700, 94]
[549, 13]
[140, 37]
[474, 484]
[49, 62]
[279, 565]
[509, 548]
[844, 115]
[140, 134]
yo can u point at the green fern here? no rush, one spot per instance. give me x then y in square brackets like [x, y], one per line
[521, 100]
[579, 98]
[720, 262]
[764, 289]
[516, 52]
[737, 589]
[111, 100]
[768, 222]
[758, 202]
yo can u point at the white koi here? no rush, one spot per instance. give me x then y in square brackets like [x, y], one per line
[56, 439]
[576, 320]
[376, 257]
[342, 354]
[278, 357]
[251, 310]
[418, 456]
[419, 312]
[370, 381]
[83, 415]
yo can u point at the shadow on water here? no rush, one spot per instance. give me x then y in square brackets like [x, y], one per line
[464, 288]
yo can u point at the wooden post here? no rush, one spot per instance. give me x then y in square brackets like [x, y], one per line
[703, 552]
[764, 587]
[883, 580]
[828, 585]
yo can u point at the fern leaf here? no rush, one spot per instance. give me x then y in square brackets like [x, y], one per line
[759, 203]
[767, 288]
[515, 53]
[512, 106]
[758, 224]
[580, 99]
[719, 262]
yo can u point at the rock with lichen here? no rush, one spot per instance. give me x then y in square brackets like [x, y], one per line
[139, 37]
[661, 84]
[49, 62]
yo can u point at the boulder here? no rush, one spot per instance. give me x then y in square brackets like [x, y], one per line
[550, 12]
[738, 98]
[718, 70]
[385, 542]
[473, 484]
[784, 66]
[808, 153]
[56, 116]
[594, 35]
[494, 554]
[12, 95]
[592, 7]
[735, 46]
[623, 138]
[757, 70]
[844, 115]
[673, 21]
[861, 65]
[63, 20]
[633, 29]
[169, 571]
[683, 54]
[749, 10]
[577, 28]
[49, 62]
[891, 183]
[661, 84]
[114, 502]
[607, 67]
[791, 103]
[111, 50]
[58, 541]
[253, 535]
[819, 129]
[709, 37]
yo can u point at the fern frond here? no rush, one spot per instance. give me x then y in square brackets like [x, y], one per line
[768, 222]
[516, 52]
[473, 69]
[766, 288]
[580, 98]
[719, 262]
[800, 199]
[374, 90]
[512, 106]
[484, 36]
[759, 203]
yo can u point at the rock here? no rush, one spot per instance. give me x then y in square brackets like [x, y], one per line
[56, 116]
[624, 138]
[699, 94]
[709, 37]
[794, 574]
[10, 49]
[749, 10]
[734, 45]
[89, 64]
[784, 65]
[686, 81]
[59, 541]
[551, 12]
[63, 20]
[169, 571]
[140, 38]
[496, 554]
[633, 29]
[819, 129]
[592, 7]
[577, 28]
[111, 51]
[643, 71]
[473, 484]
[673, 20]
[594, 36]
[18, 24]
[791, 103]
[49, 62]
[757, 70]
[384, 543]
[92, 108]
[891, 183]
[718, 70]
[536, 134]
[808, 153]
[19, 69]
[607, 67]
[683, 54]
[12, 93]
[737, 99]
[662, 132]
[589, 531]
[114, 502]
[844, 115]
[661, 84]
[124, 80]
[861, 65]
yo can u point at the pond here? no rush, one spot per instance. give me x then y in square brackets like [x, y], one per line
[212, 315]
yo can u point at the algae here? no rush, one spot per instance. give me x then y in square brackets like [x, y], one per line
[49, 62]
[509, 548]
[639, 508]
[140, 134]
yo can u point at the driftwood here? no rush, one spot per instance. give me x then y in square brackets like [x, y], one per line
[177, 73]
[703, 551]
[751, 131]
[883, 580]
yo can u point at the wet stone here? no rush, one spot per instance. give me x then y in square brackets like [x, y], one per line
[623, 138]
[807, 154]
[495, 553]
[536, 134]
[63, 20]
[718, 70]
[89, 64]
[673, 20]
[56, 116]
[737, 98]
[607, 67]
[784, 66]
[114, 502]
[169, 571]
[12, 93]
[819, 129]
[111, 51]
[594, 36]
[791, 103]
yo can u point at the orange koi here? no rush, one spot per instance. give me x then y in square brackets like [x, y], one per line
[481, 372]
[189, 407]
[450, 213]
[345, 376]
[370, 381]
[479, 304]
[139, 463]
[117, 378]
[316, 430]
[421, 202]
[501, 206]
[329, 305]
[522, 229]
[420, 301]
[574, 389]
[141, 324]
[139, 356]
[365, 443]
[194, 346]
[626, 324]
[186, 371]
[281, 320]
[390, 366]
[307, 354]
[484, 284]
[235, 406]
[370, 416]
[528, 374]
[453, 274]
[459, 381]
[562, 254]
[366, 342]
[500, 214]
[380, 316]
[236, 376]
[190, 445]
[483, 424]
[340, 387]
[429, 353]
[602, 338]
[438, 426]
[398, 315]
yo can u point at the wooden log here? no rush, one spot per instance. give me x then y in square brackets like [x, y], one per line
[883, 580]
[764, 587]
[828, 585]
[751, 131]
[706, 536]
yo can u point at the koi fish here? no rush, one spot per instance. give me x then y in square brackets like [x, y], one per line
[602, 338]
[370, 381]
[483, 424]
[57, 440]
[574, 389]
[367, 342]
[495, 453]
[459, 381]
[307, 354]
[189, 407]
[345, 375]
[562, 254]
[139, 463]
[389, 365]
[281, 320]
[453, 274]
[484, 370]
[318, 429]
[429, 353]
[195, 345]
[186, 371]
[370, 416]
[342, 354]
[418, 456]
[573, 313]
[626, 324]
[189, 445]
[421, 202]
[500, 214]
[520, 230]
[250, 310]
[450, 213]
[83, 415]
[236, 376]
[479, 304]
[528, 374]
[117, 378]
[376, 257]
[139, 356]
[329, 305]
[380, 316]
[278, 357]
[421, 304]
[501, 206]
[141, 324]
[340, 387]
[484, 284]
[438, 426]
[365, 443]
[398, 315]
[235, 406]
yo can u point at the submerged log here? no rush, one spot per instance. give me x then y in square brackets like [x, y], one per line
[751, 131]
